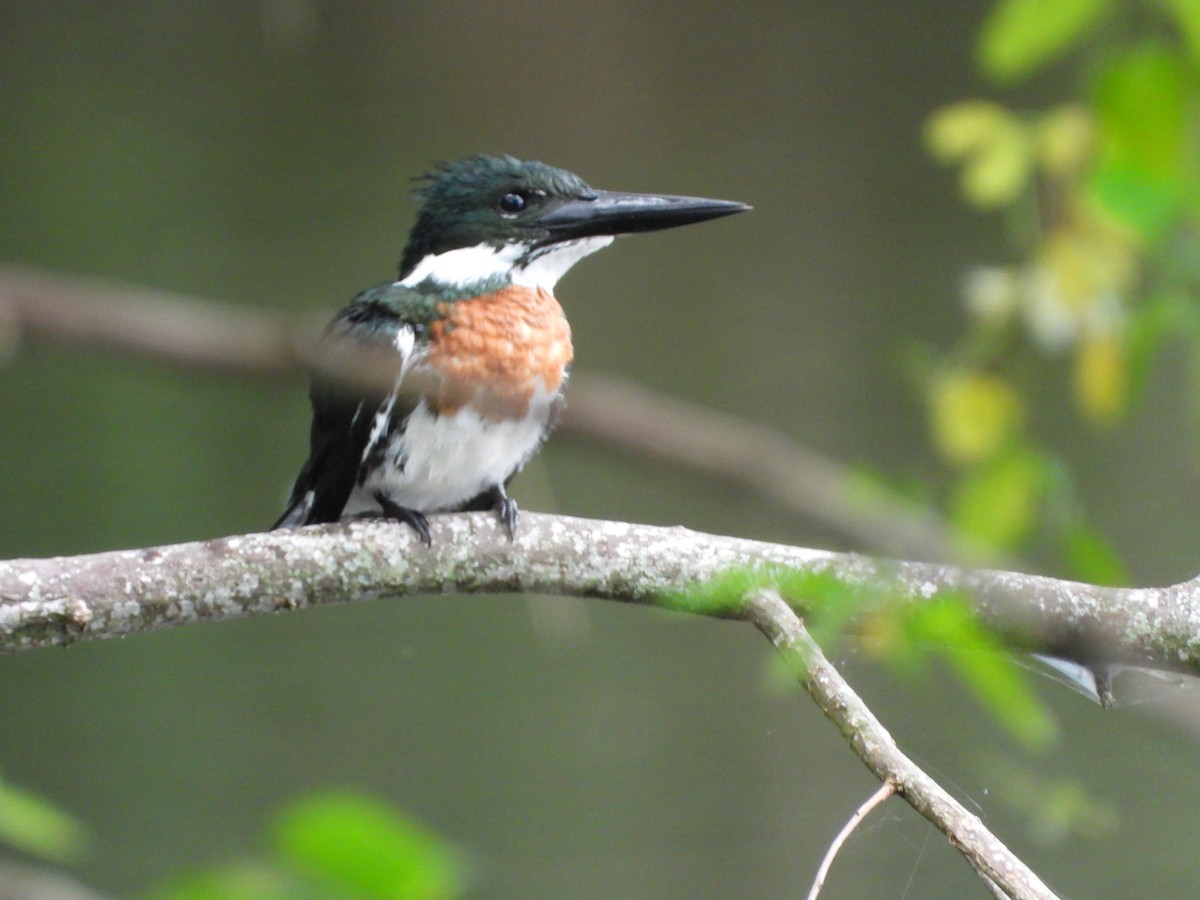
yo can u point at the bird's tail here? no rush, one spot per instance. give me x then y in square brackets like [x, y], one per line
[297, 512]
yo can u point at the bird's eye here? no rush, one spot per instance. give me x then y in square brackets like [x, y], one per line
[512, 202]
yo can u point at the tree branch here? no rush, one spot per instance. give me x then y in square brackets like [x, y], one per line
[61, 600]
[875, 747]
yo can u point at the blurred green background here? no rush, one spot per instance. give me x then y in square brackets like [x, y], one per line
[261, 153]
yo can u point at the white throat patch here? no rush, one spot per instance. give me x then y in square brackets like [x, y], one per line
[465, 266]
[545, 270]
[471, 265]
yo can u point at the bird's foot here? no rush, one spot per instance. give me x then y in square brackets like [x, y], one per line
[410, 517]
[495, 498]
[506, 509]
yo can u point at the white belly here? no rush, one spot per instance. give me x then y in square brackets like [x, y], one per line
[436, 463]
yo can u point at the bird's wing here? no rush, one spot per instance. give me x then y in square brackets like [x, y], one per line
[349, 416]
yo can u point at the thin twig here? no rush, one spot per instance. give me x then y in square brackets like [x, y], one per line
[878, 750]
[885, 790]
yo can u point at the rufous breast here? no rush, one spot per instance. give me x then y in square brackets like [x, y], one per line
[497, 351]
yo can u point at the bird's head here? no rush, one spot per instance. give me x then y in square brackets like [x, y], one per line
[496, 219]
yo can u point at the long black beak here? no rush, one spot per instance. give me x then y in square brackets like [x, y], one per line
[606, 212]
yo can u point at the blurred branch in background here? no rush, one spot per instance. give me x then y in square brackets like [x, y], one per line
[177, 330]
[25, 881]
[616, 412]
[142, 322]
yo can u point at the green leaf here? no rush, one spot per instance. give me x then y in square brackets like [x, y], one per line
[1143, 102]
[36, 826]
[993, 145]
[949, 624]
[1019, 36]
[1156, 320]
[1187, 18]
[1146, 203]
[723, 594]
[366, 849]
[1056, 808]
[830, 602]
[1092, 558]
[997, 503]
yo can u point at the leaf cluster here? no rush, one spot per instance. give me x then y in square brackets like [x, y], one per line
[1102, 198]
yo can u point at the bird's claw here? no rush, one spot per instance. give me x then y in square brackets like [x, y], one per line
[410, 517]
[507, 510]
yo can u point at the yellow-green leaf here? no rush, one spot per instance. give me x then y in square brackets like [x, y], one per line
[1065, 138]
[993, 145]
[1187, 18]
[973, 415]
[959, 129]
[1101, 378]
[996, 177]
[36, 826]
[997, 504]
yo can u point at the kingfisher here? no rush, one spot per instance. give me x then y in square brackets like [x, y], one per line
[477, 348]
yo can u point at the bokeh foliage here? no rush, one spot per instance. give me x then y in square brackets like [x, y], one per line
[909, 634]
[1101, 196]
[335, 844]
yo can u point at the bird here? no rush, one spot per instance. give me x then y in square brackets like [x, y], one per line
[476, 346]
